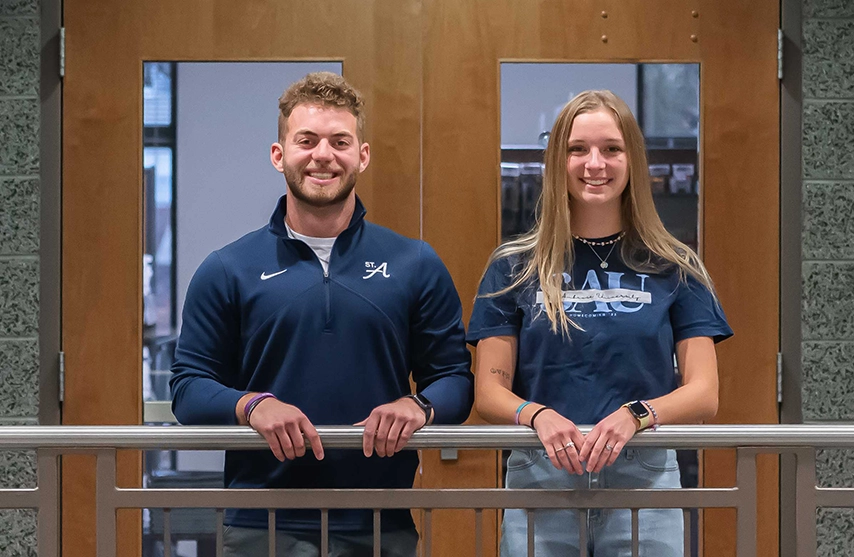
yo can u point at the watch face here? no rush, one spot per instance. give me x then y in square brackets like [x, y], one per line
[425, 405]
[422, 401]
[638, 409]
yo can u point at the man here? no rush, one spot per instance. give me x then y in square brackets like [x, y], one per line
[319, 318]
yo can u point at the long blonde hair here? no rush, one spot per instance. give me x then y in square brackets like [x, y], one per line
[546, 251]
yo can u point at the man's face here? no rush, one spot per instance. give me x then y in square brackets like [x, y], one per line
[321, 155]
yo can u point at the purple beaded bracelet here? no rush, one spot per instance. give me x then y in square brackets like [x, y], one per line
[253, 402]
[654, 425]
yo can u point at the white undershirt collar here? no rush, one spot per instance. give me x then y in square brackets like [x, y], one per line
[322, 247]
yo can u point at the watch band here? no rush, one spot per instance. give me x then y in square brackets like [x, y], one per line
[425, 405]
[640, 412]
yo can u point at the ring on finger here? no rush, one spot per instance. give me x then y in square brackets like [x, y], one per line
[609, 447]
[565, 447]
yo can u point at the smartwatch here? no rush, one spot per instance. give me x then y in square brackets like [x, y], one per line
[640, 412]
[425, 405]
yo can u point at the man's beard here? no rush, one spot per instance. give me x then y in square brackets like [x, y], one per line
[327, 197]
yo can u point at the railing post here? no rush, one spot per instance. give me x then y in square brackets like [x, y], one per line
[428, 533]
[805, 501]
[48, 496]
[745, 474]
[105, 502]
[788, 503]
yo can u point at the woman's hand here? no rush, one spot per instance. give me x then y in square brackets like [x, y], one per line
[561, 439]
[603, 444]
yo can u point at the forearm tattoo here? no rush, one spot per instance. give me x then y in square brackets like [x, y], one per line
[501, 372]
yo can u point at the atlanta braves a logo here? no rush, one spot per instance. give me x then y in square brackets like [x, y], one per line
[372, 269]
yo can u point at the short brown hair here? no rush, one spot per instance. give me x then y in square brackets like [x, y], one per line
[324, 89]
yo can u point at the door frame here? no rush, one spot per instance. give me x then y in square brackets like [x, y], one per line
[50, 210]
[791, 257]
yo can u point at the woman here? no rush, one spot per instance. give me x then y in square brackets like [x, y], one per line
[578, 321]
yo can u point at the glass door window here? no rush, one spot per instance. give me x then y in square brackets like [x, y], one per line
[664, 98]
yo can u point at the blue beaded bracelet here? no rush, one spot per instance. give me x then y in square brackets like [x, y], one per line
[519, 410]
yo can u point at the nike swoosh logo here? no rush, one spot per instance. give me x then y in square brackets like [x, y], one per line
[265, 276]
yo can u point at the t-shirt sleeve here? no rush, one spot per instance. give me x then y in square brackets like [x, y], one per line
[499, 315]
[697, 313]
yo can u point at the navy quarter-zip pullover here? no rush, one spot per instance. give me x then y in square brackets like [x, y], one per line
[262, 316]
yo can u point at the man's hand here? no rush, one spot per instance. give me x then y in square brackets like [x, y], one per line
[390, 426]
[283, 426]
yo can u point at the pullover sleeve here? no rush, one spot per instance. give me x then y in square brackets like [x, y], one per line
[441, 363]
[206, 358]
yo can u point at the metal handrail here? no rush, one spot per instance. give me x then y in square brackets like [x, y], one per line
[796, 441]
[430, 437]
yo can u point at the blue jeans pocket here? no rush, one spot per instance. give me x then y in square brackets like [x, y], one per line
[520, 459]
[656, 460]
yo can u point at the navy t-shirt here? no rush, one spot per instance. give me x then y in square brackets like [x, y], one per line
[631, 322]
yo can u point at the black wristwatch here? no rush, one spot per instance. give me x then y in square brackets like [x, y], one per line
[425, 405]
[640, 412]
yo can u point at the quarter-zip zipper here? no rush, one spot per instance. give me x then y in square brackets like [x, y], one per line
[327, 327]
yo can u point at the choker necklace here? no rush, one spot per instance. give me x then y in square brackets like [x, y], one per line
[613, 243]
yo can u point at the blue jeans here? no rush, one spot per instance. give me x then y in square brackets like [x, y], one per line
[609, 531]
[253, 542]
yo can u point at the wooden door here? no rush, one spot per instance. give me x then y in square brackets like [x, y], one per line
[107, 42]
[735, 44]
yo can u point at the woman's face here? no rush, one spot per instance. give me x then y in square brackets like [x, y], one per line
[597, 162]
